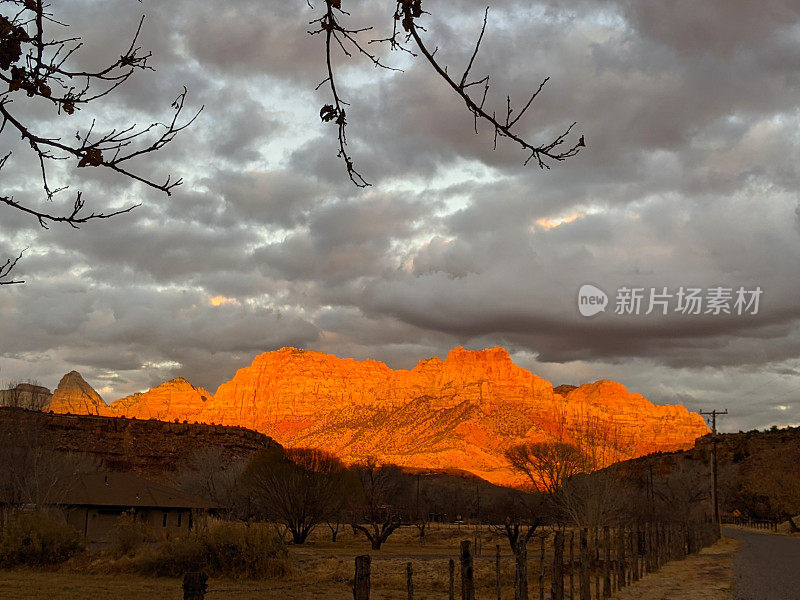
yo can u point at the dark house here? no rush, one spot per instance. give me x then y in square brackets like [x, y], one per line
[92, 503]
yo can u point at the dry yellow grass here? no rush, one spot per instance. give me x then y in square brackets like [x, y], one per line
[323, 569]
[704, 576]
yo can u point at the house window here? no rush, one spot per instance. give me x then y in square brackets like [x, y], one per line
[179, 519]
[164, 520]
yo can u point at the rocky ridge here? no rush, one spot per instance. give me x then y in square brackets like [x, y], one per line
[462, 412]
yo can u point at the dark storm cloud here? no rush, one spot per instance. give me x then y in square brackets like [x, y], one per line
[690, 178]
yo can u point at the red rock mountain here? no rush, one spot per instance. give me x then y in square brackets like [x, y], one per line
[462, 412]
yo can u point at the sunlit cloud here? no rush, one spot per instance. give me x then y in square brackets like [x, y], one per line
[222, 300]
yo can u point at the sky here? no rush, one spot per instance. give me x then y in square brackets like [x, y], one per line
[689, 181]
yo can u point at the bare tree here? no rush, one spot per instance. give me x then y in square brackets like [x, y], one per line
[334, 523]
[566, 470]
[297, 488]
[40, 70]
[592, 499]
[378, 514]
[31, 463]
[516, 518]
[212, 474]
[408, 33]
[682, 493]
[547, 465]
[598, 495]
[601, 441]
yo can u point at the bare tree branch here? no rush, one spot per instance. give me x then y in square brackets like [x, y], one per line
[407, 13]
[5, 271]
[553, 150]
[344, 38]
[40, 66]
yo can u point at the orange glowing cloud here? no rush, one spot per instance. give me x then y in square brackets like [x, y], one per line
[547, 223]
[222, 300]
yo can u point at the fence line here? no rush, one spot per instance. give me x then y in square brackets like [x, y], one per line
[767, 524]
[614, 557]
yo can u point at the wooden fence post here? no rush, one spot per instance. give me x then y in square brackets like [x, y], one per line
[361, 580]
[668, 534]
[583, 583]
[541, 572]
[632, 554]
[409, 581]
[670, 545]
[572, 565]
[653, 547]
[656, 546]
[621, 539]
[452, 595]
[685, 539]
[521, 570]
[607, 562]
[557, 585]
[195, 586]
[467, 572]
[497, 572]
[597, 562]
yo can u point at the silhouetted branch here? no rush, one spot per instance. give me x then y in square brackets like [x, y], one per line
[334, 31]
[406, 13]
[5, 271]
[73, 218]
[40, 67]
[552, 150]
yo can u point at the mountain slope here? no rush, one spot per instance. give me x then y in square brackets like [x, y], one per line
[462, 412]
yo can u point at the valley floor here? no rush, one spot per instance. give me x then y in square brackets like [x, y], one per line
[325, 570]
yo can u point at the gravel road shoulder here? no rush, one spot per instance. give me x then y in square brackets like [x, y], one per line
[707, 575]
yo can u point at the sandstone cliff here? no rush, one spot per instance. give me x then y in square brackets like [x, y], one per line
[74, 395]
[462, 412]
[26, 395]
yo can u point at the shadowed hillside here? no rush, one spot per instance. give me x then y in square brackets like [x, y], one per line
[147, 447]
[758, 471]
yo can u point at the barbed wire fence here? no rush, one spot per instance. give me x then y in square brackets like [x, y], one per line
[568, 564]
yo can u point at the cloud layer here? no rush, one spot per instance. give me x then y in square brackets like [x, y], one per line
[690, 179]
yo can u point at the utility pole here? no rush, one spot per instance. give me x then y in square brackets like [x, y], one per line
[714, 496]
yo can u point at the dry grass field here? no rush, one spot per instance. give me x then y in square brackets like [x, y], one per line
[322, 569]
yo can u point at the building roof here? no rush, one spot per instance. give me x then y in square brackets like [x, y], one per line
[124, 490]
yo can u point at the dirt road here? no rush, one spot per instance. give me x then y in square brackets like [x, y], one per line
[766, 566]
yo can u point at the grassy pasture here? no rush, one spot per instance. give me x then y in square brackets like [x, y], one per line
[322, 569]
